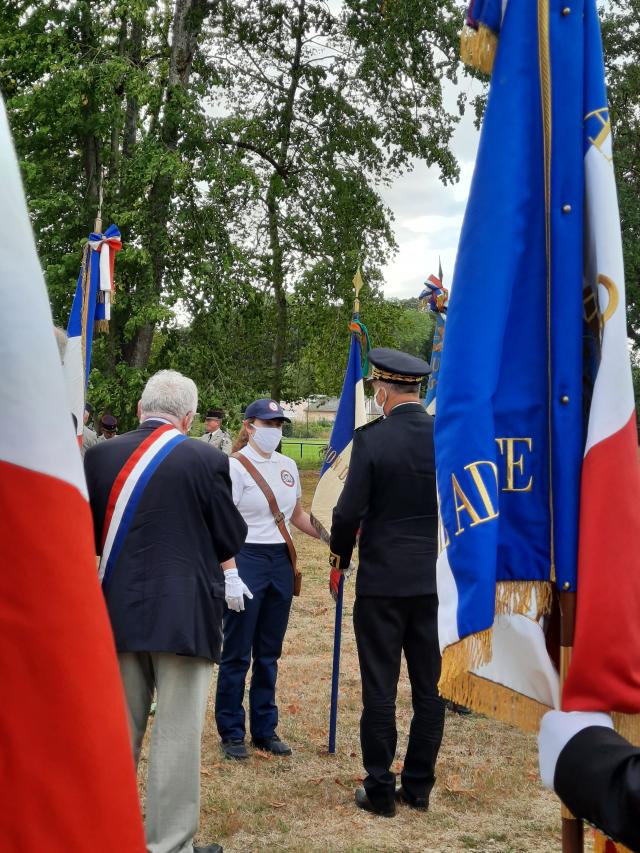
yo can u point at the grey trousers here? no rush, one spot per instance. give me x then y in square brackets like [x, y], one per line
[173, 780]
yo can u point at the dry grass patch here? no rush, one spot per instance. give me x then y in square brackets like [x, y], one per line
[487, 797]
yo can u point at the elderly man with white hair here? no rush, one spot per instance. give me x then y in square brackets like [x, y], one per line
[164, 521]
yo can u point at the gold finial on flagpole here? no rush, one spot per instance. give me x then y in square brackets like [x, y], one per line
[357, 286]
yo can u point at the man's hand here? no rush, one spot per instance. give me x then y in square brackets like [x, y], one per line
[334, 579]
[235, 590]
[556, 730]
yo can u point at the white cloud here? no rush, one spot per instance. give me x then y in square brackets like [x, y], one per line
[428, 215]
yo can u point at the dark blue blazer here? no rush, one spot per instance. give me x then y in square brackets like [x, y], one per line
[166, 591]
[390, 496]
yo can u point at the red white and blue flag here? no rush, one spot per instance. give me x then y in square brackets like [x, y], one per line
[67, 779]
[536, 445]
[90, 311]
[604, 674]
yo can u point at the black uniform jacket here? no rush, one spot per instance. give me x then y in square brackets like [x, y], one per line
[598, 778]
[166, 591]
[390, 495]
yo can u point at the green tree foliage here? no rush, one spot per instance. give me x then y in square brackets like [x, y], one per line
[326, 105]
[239, 145]
[621, 37]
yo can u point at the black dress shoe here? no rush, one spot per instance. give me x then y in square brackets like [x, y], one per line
[363, 802]
[420, 803]
[456, 708]
[234, 748]
[271, 744]
[210, 848]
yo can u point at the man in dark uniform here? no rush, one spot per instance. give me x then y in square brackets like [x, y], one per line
[390, 497]
[166, 594]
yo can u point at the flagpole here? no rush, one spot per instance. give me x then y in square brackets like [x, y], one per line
[335, 673]
[337, 630]
[572, 828]
[97, 226]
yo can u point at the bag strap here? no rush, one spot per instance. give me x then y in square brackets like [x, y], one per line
[267, 491]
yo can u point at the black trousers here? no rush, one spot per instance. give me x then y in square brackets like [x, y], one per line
[384, 628]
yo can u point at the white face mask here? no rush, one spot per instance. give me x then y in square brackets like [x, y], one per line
[267, 438]
[378, 408]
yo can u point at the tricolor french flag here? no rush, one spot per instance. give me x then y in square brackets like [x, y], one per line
[67, 779]
[605, 669]
[535, 435]
[90, 311]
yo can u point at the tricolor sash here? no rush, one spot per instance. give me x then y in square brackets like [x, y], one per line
[127, 491]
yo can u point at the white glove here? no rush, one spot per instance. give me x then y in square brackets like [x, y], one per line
[556, 730]
[235, 590]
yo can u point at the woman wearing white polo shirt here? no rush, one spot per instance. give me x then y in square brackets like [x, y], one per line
[254, 628]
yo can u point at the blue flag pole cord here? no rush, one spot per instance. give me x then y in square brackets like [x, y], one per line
[335, 674]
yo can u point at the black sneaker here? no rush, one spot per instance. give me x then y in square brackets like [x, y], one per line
[382, 809]
[271, 744]
[210, 848]
[234, 748]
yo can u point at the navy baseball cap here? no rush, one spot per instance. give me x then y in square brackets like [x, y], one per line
[266, 410]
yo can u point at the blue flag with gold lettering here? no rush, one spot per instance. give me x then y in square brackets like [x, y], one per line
[509, 427]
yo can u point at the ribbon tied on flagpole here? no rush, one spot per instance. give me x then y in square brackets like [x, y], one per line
[106, 245]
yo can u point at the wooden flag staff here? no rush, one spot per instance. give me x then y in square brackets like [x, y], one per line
[572, 828]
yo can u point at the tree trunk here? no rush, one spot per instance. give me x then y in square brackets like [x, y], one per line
[188, 18]
[90, 144]
[276, 187]
[131, 112]
[277, 282]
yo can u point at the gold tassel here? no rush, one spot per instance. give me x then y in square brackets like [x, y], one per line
[101, 326]
[495, 701]
[478, 48]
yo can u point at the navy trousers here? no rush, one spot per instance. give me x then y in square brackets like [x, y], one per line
[258, 633]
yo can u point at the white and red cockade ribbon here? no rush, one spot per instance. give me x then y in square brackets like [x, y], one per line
[108, 244]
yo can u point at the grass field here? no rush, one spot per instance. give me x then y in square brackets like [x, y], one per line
[487, 797]
[307, 452]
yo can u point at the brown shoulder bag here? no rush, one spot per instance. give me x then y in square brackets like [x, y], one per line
[278, 516]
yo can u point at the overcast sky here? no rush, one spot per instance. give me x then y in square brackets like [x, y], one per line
[428, 215]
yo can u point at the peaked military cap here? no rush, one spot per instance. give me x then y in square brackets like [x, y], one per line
[392, 365]
[109, 423]
[218, 414]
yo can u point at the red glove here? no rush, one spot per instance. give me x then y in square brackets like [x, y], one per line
[334, 583]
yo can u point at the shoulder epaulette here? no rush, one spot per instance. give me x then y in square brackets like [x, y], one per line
[369, 424]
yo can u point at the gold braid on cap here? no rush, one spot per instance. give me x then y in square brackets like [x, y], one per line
[385, 375]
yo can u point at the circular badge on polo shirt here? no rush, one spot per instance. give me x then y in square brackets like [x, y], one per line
[287, 478]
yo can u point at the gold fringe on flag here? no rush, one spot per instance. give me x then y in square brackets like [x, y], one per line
[527, 598]
[600, 845]
[495, 701]
[101, 326]
[478, 47]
